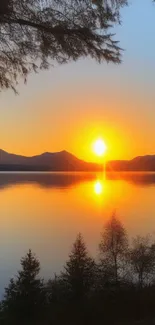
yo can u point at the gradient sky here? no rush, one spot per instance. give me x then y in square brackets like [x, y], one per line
[71, 105]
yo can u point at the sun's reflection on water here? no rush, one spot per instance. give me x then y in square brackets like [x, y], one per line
[98, 187]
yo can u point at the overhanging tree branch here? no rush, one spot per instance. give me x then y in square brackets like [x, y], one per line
[65, 30]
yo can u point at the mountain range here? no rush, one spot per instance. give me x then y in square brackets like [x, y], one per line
[57, 161]
[65, 161]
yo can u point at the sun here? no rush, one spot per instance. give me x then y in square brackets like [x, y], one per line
[99, 147]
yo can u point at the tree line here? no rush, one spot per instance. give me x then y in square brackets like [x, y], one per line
[117, 286]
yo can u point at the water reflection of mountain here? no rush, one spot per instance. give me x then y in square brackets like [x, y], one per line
[65, 180]
[48, 180]
[137, 178]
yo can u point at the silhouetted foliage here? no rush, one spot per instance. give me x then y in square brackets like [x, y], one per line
[142, 256]
[113, 249]
[79, 270]
[34, 32]
[24, 298]
[87, 292]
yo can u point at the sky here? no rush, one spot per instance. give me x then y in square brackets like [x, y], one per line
[69, 106]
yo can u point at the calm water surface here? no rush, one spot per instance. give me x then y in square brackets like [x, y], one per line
[45, 211]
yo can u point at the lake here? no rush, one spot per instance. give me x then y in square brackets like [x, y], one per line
[45, 211]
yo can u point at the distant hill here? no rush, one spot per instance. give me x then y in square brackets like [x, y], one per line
[140, 163]
[64, 161]
[58, 161]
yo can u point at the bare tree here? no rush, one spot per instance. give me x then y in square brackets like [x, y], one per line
[33, 33]
[142, 257]
[113, 249]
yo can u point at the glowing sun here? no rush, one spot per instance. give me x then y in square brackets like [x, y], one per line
[99, 147]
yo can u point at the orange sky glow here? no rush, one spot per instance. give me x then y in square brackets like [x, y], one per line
[49, 122]
[70, 106]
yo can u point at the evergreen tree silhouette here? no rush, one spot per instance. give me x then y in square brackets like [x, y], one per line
[24, 297]
[79, 270]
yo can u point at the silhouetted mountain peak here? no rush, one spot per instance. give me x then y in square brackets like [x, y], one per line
[45, 154]
[57, 161]
[144, 158]
[2, 151]
[65, 161]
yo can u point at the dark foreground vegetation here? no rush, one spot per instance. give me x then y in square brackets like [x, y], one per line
[117, 288]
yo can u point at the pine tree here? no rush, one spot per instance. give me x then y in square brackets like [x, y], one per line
[24, 297]
[79, 270]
